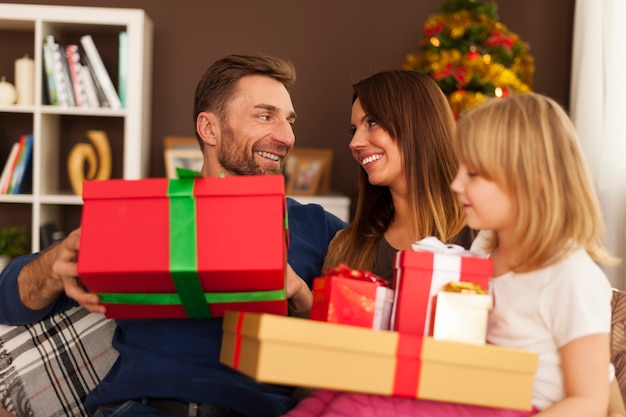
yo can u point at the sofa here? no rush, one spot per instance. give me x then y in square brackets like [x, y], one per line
[618, 338]
[47, 368]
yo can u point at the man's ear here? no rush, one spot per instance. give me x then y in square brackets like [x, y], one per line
[208, 127]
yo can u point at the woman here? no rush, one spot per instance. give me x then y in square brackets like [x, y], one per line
[402, 129]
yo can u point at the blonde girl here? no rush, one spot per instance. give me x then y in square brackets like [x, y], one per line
[522, 178]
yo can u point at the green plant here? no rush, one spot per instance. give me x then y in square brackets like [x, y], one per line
[13, 241]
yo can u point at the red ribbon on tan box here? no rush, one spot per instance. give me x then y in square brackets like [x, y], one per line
[351, 358]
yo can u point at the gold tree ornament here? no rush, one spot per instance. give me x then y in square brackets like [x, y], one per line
[471, 55]
[89, 161]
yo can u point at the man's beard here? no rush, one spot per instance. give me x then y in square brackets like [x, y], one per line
[234, 157]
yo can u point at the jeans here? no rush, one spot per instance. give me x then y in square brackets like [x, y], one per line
[134, 409]
[130, 409]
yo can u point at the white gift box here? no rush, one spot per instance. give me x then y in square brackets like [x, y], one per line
[461, 317]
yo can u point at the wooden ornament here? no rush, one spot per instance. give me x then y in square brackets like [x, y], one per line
[89, 161]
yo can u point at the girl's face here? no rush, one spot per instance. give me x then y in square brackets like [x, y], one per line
[486, 205]
[374, 149]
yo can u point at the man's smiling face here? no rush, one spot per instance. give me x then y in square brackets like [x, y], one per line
[258, 132]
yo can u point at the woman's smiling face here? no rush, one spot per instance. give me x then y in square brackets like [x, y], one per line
[374, 148]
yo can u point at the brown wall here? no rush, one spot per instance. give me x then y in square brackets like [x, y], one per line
[333, 43]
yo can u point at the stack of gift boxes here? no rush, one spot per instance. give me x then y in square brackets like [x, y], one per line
[194, 247]
[424, 339]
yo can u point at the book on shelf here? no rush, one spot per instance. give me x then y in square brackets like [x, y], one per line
[9, 165]
[6, 187]
[68, 76]
[122, 66]
[49, 75]
[87, 80]
[100, 71]
[102, 98]
[22, 172]
[73, 60]
[61, 80]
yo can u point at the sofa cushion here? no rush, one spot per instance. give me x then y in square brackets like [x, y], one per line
[47, 368]
[618, 337]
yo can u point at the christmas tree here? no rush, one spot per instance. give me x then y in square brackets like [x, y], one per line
[472, 55]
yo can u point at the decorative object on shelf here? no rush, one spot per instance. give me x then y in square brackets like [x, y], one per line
[181, 152]
[472, 55]
[25, 80]
[13, 242]
[49, 235]
[8, 95]
[307, 171]
[97, 157]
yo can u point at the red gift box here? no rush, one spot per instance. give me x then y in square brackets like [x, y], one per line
[421, 274]
[352, 297]
[192, 247]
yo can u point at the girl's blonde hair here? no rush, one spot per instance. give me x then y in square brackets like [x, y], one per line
[528, 146]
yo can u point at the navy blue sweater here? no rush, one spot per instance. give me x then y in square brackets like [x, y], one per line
[179, 359]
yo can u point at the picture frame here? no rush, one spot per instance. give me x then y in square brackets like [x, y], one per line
[307, 171]
[183, 152]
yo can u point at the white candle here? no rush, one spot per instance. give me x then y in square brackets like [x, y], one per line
[25, 80]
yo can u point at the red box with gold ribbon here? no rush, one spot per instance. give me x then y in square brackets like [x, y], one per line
[351, 296]
[421, 272]
[191, 247]
[307, 353]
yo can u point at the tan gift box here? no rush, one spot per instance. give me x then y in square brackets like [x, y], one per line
[290, 351]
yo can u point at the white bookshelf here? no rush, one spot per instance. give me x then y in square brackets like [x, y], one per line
[56, 128]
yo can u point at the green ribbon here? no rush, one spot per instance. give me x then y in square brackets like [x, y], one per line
[187, 173]
[183, 248]
[208, 298]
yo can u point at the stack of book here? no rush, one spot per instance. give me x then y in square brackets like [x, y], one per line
[77, 77]
[17, 172]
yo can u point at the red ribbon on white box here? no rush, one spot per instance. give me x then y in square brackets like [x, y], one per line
[445, 263]
[445, 268]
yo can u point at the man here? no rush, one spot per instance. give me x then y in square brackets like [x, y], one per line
[244, 123]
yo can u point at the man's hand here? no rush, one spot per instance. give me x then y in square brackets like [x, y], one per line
[53, 272]
[300, 297]
[65, 269]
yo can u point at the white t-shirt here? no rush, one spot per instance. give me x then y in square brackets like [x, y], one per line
[543, 310]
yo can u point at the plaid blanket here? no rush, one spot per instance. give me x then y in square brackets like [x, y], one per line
[47, 368]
